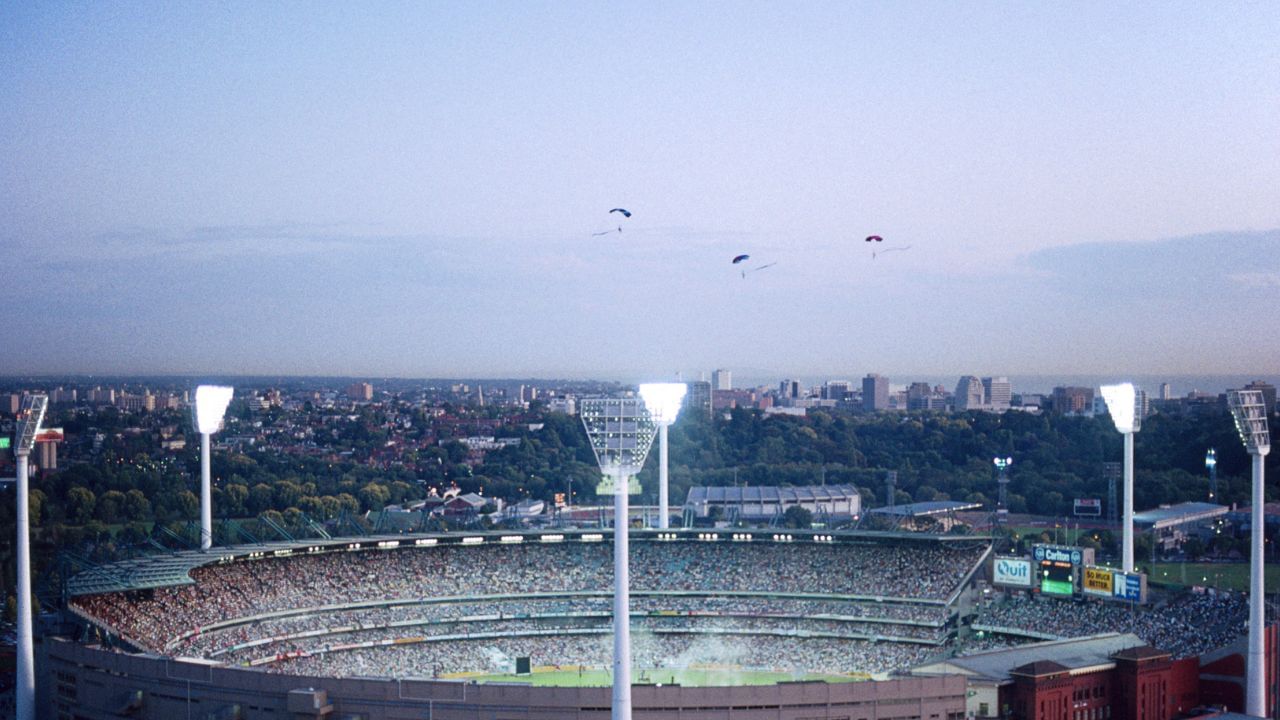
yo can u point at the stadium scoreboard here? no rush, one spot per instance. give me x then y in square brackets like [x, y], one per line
[1058, 567]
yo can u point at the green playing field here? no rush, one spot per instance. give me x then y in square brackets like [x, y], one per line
[550, 676]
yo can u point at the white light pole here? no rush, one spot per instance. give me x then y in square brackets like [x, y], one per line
[30, 417]
[663, 401]
[207, 409]
[620, 431]
[1122, 404]
[1249, 410]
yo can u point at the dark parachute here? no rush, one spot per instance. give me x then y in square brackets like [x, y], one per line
[740, 258]
[624, 211]
[874, 238]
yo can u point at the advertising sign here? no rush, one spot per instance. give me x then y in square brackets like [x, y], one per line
[1012, 571]
[1058, 553]
[1128, 587]
[1089, 506]
[1096, 581]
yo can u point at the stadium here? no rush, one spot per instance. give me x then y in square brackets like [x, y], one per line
[759, 623]
[771, 623]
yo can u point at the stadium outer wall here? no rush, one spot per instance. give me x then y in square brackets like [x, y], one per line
[79, 682]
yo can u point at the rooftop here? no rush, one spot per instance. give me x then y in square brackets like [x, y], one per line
[1072, 655]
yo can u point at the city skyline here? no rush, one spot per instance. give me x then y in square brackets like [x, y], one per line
[412, 192]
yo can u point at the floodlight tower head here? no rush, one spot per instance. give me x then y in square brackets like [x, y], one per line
[209, 407]
[1211, 459]
[1249, 410]
[30, 418]
[1122, 403]
[621, 430]
[663, 400]
[1002, 462]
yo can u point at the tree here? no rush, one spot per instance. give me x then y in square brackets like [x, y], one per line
[798, 517]
[374, 496]
[80, 502]
[260, 497]
[110, 505]
[234, 498]
[187, 505]
[36, 502]
[137, 507]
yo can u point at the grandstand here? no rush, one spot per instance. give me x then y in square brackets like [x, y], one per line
[716, 608]
[435, 605]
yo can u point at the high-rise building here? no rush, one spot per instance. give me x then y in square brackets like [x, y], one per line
[11, 403]
[698, 398]
[61, 395]
[997, 393]
[875, 392]
[920, 396]
[789, 389]
[721, 379]
[101, 395]
[1166, 392]
[837, 390]
[1072, 400]
[136, 403]
[360, 391]
[970, 394]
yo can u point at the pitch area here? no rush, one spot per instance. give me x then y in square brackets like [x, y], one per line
[574, 676]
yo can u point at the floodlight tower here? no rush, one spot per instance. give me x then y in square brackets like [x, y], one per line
[30, 417]
[1249, 410]
[1122, 403]
[1002, 467]
[206, 413]
[1211, 463]
[621, 432]
[663, 401]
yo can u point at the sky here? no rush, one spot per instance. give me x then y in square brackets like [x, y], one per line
[413, 189]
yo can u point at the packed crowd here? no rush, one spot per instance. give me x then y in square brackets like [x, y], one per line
[650, 652]
[1187, 625]
[602, 622]
[154, 618]
[932, 618]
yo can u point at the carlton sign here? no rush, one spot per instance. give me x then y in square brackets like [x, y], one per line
[1012, 571]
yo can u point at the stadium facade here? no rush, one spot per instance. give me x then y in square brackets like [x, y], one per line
[95, 684]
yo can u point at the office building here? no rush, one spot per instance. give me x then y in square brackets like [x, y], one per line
[698, 398]
[721, 379]
[875, 392]
[837, 390]
[970, 394]
[360, 391]
[997, 393]
[1072, 400]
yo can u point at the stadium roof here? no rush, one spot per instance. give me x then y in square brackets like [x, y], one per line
[1182, 513]
[1072, 654]
[922, 509]
[174, 568]
[770, 494]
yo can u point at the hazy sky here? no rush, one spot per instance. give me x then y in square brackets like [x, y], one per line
[411, 189]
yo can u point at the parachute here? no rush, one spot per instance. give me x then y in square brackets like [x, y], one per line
[624, 211]
[874, 238]
[740, 258]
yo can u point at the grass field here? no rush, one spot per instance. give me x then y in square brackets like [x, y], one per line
[1233, 576]
[549, 676]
